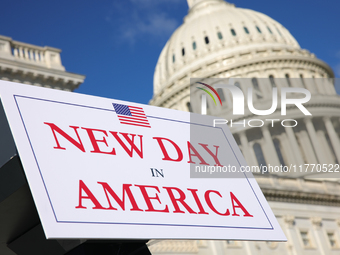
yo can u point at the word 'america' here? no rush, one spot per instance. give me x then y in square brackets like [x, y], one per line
[153, 203]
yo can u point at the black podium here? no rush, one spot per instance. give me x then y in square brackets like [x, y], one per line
[21, 232]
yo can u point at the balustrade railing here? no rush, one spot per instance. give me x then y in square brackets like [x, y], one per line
[28, 53]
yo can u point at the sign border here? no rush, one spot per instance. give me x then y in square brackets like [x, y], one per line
[121, 223]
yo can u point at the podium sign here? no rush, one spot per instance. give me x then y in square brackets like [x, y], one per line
[108, 169]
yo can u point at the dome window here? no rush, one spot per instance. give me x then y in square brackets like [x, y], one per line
[183, 51]
[272, 81]
[278, 149]
[259, 156]
[278, 31]
[233, 32]
[189, 108]
[194, 45]
[237, 84]
[270, 31]
[206, 39]
[256, 88]
[302, 81]
[219, 35]
[288, 80]
[173, 58]
[246, 30]
[221, 94]
[258, 30]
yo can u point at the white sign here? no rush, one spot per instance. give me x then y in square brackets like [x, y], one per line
[104, 168]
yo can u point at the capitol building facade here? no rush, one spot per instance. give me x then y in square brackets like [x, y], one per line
[221, 44]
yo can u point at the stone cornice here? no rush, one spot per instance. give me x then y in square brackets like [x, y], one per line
[299, 197]
[166, 94]
[15, 66]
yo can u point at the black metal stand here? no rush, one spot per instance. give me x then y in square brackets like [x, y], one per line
[128, 247]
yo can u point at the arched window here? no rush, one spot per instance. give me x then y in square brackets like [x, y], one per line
[259, 156]
[219, 35]
[272, 81]
[277, 146]
[206, 39]
[233, 32]
[183, 51]
[270, 31]
[288, 80]
[189, 107]
[278, 31]
[258, 30]
[246, 30]
[237, 84]
[221, 94]
[173, 58]
[194, 45]
[302, 81]
[257, 90]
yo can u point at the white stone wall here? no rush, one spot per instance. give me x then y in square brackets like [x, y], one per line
[35, 65]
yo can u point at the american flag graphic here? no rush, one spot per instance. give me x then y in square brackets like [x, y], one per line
[131, 115]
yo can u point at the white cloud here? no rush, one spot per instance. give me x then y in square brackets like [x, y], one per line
[142, 19]
[157, 25]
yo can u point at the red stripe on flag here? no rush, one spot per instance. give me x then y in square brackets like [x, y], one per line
[128, 123]
[132, 118]
[135, 107]
[134, 121]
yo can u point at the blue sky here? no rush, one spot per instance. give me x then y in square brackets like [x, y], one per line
[116, 43]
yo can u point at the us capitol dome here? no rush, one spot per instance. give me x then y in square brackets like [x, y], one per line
[220, 43]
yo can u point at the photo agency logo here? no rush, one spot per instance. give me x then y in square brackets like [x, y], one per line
[288, 96]
[204, 97]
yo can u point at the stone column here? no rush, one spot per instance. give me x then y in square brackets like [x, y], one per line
[307, 147]
[245, 147]
[314, 139]
[289, 227]
[319, 85]
[295, 146]
[273, 158]
[326, 84]
[332, 86]
[333, 137]
[317, 223]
